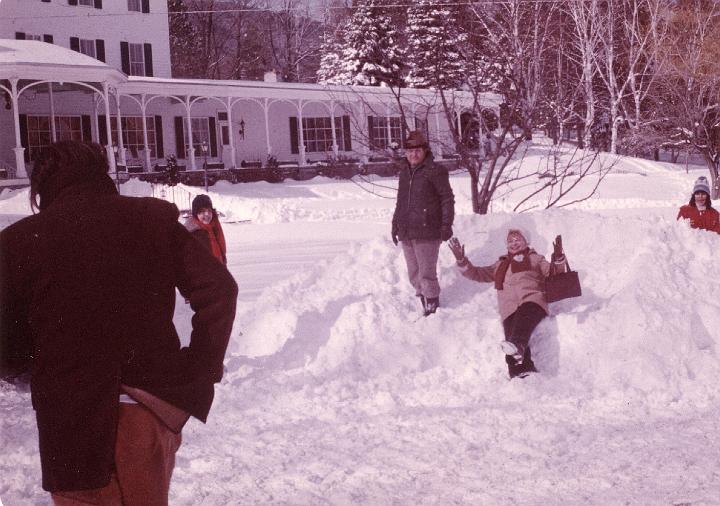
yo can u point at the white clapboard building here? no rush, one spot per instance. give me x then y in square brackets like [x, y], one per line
[100, 70]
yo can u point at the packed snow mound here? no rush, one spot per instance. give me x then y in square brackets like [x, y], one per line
[645, 326]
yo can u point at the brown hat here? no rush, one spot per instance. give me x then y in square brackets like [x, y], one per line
[416, 139]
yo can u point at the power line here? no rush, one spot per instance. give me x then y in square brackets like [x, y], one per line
[297, 9]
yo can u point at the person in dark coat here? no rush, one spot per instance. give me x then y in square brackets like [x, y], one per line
[87, 297]
[700, 210]
[519, 278]
[205, 226]
[423, 218]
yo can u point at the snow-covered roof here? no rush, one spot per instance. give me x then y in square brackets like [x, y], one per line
[31, 59]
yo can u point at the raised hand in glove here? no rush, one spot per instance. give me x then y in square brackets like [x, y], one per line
[445, 232]
[458, 250]
[558, 255]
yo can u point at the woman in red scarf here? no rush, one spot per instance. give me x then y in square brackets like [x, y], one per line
[205, 226]
[519, 278]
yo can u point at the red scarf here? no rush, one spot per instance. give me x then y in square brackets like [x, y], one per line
[216, 237]
[523, 264]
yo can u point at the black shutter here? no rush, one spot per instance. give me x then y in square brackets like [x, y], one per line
[148, 60]
[24, 136]
[294, 141]
[370, 132]
[102, 130]
[159, 147]
[346, 133]
[48, 38]
[125, 57]
[75, 44]
[145, 6]
[19, 35]
[72, 2]
[213, 136]
[100, 49]
[98, 4]
[179, 137]
[46, 1]
[86, 129]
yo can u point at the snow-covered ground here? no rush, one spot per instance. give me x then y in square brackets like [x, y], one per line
[337, 393]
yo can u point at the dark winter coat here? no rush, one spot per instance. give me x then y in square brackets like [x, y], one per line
[87, 291]
[425, 202]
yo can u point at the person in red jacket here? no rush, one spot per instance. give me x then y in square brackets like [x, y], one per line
[87, 297]
[205, 226]
[699, 210]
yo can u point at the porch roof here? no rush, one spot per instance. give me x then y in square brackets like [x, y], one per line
[35, 60]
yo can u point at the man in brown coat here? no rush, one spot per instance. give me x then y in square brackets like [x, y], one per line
[87, 297]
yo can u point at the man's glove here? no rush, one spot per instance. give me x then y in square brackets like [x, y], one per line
[558, 255]
[394, 235]
[445, 232]
[458, 250]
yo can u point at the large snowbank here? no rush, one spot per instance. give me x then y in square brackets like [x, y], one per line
[338, 392]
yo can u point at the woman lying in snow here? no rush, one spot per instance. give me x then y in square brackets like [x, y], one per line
[519, 279]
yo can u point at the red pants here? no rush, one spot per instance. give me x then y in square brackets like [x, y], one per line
[144, 461]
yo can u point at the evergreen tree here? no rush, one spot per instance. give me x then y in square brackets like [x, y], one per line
[331, 69]
[183, 41]
[367, 52]
[434, 43]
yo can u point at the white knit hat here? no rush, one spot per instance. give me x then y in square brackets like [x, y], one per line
[701, 185]
[521, 231]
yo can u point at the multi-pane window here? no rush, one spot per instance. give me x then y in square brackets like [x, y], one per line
[89, 3]
[317, 134]
[137, 59]
[133, 135]
[40, 134]
[200, 134]
[379, 132]
[135, 5]
[30, 36]
[87, 47]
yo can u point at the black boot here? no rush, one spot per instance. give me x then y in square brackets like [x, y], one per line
[423, 301]
[431, 305]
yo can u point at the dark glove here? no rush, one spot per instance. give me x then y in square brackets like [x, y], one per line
[394, 235]
[445, 232]
[558, 255]
[457, 249]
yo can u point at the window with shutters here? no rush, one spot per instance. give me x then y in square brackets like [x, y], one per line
[133, 135]
[137, 59]
[87, 47]
[380, 131]
[135, 5]
[200, 134]
[67, 128]
[317, 134]
[31, 36]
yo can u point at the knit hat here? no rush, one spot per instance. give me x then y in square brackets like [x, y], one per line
[201, 202]
[520, 231]
[701, 185]
[416, 139]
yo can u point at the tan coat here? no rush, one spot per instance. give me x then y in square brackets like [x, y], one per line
[518, 287]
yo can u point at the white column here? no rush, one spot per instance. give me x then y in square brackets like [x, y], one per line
[232, 133]
[332, 125]
[301, 136]
[108, 131]
[191, 148]
[20, 171]
[387, 124]
[266, 108]
[365, 158]
[51, 98]
[146, 150]
[118, 127]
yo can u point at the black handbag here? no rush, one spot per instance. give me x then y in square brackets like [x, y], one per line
[562, 286]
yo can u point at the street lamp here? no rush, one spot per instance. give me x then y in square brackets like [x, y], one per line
[204, 147]
[241, 131]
